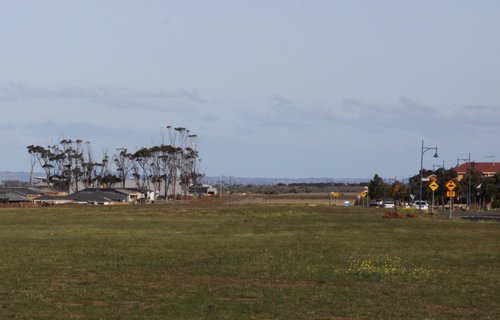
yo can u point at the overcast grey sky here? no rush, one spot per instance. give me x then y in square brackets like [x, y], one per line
[275, 88]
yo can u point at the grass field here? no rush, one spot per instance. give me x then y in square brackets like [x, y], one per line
[213, 261]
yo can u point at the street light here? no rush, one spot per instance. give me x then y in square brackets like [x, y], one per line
[470, 182]
[439, 166]
[388, 182]
[424, 150]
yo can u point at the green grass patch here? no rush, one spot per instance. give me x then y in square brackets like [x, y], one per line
[244, 262]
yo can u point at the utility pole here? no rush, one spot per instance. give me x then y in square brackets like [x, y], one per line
[470, 181]
[229, 200]
[424, 150]
[220, 188]
[434, 166]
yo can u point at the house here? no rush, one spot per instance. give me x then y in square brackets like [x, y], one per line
[29, 193]
[205, 189]
[19, 194]
[134, 195]
[11, 196]
[104, 196]
[87, 196]
[487, 169]
[50, 199]
[98, 196]
[47, 191]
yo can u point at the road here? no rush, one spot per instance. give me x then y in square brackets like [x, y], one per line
[473, 215]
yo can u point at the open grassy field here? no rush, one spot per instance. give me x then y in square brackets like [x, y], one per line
[212, 261]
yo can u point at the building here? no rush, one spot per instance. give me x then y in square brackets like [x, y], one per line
[98, 196]
[95, 196]
[104, 196]
[133, 195]
[205, 189]
[11, 196]
[487, 169]
[20, 194]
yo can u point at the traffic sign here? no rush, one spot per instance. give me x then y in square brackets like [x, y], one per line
[433, 186]
[450, 194]
[451, 185]
[335, 194]
[363, 194]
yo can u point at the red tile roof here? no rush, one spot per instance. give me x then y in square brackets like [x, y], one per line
[483, 167]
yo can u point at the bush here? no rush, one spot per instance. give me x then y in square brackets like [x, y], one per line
[496, 204]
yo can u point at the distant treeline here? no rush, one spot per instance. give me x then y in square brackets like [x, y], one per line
[325, 184]
[279, 188]
[14, 184]
[71, 163]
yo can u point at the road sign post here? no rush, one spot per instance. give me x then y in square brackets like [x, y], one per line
[451, 185]
[363, 196]
[451, 207]
[433, 185]
[334, 195]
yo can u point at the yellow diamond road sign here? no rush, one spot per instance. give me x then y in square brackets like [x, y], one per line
[363, 194]
[433, 186]
[451, 185]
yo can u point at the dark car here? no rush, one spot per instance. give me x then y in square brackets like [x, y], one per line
[376, 203]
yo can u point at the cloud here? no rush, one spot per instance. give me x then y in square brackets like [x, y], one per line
[474, 116]
[404, 115]
[71, 129]
[102, 137]
[117, 97]
[19, 91]
[6, 127]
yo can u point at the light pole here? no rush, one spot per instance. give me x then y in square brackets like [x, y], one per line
[424, 150]
[470, 182]
[434, 166]
[387, 182]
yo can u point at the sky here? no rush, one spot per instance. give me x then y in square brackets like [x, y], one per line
[274, 88]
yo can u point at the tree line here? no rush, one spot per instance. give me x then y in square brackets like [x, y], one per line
[165, 168]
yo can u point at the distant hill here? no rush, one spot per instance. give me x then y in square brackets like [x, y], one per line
[271, 181]
[17, 175]
[25, 176]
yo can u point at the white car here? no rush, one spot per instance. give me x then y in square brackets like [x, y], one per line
[423, 205]
[389, 204]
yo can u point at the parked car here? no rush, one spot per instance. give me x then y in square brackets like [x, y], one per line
[389, 204]
[422, 204]
[376, 203]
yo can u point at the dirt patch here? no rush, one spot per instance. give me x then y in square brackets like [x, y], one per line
[398, 215]
[440, 309]
[223, 281]
[242, 299]
[72, 305]
[83, 279]
[19, 205]
[334, 318]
